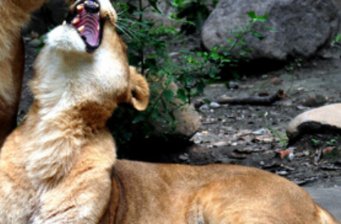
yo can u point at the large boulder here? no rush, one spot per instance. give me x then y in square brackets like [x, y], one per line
[299, 28]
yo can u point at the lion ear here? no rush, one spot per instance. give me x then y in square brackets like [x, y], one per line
[139, 90]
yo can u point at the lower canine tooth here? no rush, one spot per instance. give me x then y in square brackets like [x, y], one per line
[75, 20]
[81, 29]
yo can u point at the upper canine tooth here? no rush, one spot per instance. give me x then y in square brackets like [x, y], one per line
[80, 7]
[81, 28]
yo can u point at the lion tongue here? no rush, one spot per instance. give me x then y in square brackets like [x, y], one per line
[90, 31]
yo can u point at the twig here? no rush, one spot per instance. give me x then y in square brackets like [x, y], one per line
[253, 100]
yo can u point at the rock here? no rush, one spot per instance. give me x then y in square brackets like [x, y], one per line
[328, 197]
[338, 3]
[215, 105]
[36, 43]
[301, 27]
[204, 108]
[276, 81]
[187, 119]
[233, 85]
[184, 157]
[262, 131]
[314, 100]
[205, 137]
[317, 120]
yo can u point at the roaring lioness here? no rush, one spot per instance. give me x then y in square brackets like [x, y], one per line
[55, 168]
[14, 14]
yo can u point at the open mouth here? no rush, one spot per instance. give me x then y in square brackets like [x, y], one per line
[85, 18]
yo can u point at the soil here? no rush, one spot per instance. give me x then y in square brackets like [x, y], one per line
[255, 135]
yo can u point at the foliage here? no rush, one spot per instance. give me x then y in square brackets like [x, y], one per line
[280, 136]
[148, 47]
[193, 12]
[336, 40]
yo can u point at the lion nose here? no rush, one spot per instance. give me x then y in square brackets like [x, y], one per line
[91, 6]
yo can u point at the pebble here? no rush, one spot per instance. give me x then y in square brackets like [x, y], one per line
[184, 157]
[215, 105]
[35, 43]
[314, 100]
[204, 108]
[233, 85]
[261, 131]
[282, 172]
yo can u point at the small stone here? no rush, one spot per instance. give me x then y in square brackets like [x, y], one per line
[314, 100]
[214, 105]
[291, 156]
[35, 43]
[204, 108]
[233, 85]
[184, 157]
[220, 144]
[276, 81]
[282, 172]
[262, 131]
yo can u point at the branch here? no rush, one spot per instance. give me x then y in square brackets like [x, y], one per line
[253, 100]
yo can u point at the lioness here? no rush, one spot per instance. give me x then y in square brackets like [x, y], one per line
[14, 13]
[55, 166]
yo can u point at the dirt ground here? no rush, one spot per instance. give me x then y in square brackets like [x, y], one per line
[255, 135]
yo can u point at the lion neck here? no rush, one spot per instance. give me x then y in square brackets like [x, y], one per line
[65, 116]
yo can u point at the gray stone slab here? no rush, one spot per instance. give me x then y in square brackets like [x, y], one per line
[328, 198]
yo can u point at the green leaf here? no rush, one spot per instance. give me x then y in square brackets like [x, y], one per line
[252, 14]
[257, 18]
[168, 94]
[153, 3]
[182, 95]
[258, 35]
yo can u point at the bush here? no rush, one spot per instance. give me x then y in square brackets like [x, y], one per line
[149, 49]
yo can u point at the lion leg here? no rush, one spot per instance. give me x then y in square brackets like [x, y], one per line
[16, 203]
[82, 200]
[10, 89]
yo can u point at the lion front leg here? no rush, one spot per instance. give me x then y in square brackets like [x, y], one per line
[76, 201]
[16, 201]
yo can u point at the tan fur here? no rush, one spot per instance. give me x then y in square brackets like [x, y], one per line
[144, 193]
[55, 168]
[14, 14]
